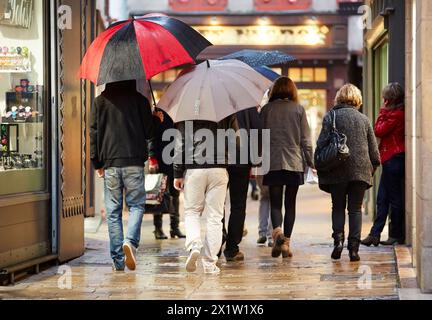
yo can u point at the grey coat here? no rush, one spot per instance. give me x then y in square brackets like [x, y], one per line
[290, 142]
[364, 158]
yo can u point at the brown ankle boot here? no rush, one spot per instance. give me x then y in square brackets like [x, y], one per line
[286, 249]
[278, 238]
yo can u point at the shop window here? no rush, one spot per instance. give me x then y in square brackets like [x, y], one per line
[167, 76]
[22, 100]
[282, 5]
[315, 104]
[277, 70]
[198, 5]
[308, 74]
[320, 75]
[295, 74]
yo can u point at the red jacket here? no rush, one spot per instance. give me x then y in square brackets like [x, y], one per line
[390, 128]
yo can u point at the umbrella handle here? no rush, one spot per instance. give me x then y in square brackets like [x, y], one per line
[152, 93]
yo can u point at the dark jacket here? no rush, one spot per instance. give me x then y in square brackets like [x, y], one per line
[364, 158]
[248, 120]
[189, 146]
[121, 124]
[290, 142]
[157, 145]
[390, 128]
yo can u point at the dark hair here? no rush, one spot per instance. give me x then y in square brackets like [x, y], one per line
[126, 85]
[395, 95]
[284, 88]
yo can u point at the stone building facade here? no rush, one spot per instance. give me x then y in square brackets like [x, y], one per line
[397, 50]
[418, 61]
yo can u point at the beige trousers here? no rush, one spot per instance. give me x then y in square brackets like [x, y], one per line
[205, 191]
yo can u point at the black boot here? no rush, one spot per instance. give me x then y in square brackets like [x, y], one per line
[371, 240]
[353, 248]
[391, 241]
[175, 220]
[176, 233]
[339, 239]
[159, 234]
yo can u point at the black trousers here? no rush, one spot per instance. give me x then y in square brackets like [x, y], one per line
[276, 202]
[348, 195]
[238, 189]
[391, 199]
[175, 213]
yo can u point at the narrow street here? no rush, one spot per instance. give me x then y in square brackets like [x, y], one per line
[310, 274]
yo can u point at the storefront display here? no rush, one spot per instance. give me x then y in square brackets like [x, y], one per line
[14, 59]
[22, 99]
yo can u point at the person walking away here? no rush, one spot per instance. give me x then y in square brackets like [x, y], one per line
[390, 128]
[158, 165]
[291, 148]
[265, 228]
[239, 178]
[121, 123]
[348, 183]
[205, 184]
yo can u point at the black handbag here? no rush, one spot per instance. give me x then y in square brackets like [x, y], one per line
[334, 153]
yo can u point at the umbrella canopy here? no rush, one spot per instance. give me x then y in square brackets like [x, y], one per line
[259, 58]
[213, 91]
[140, 49]
[268, 73]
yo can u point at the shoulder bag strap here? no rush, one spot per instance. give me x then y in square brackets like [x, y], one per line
[334, 119]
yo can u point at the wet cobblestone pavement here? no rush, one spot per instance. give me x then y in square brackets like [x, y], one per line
[310, 274]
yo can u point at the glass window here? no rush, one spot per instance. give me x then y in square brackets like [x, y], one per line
[320, 75]
[170, 75]
[315, 104]
[158, 78]
[22, 99]
[307, 75]
[277, 70]
[295, 74]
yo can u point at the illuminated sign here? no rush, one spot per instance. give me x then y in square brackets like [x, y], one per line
[309, 35]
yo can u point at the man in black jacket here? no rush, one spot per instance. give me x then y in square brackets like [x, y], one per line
[121, 124]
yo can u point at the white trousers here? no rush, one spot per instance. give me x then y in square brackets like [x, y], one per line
[205, 191]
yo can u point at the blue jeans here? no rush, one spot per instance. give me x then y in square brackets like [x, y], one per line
[129, 180]
[391, 199]
[265, 227]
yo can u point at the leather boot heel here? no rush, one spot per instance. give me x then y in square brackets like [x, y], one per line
[338, 246]
[286, 249]
[354, 251]
[279, 240]
[177, 234]
[159, 234]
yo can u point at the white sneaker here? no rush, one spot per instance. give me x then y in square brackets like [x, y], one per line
[191, 263]
[130, 252]
[212, 270]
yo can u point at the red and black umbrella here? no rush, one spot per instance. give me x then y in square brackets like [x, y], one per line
[140, 49]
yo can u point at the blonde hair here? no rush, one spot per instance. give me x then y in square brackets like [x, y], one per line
[349, 94]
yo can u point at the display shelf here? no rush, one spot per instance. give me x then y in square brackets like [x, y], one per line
[15, 71]
[7, 121]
